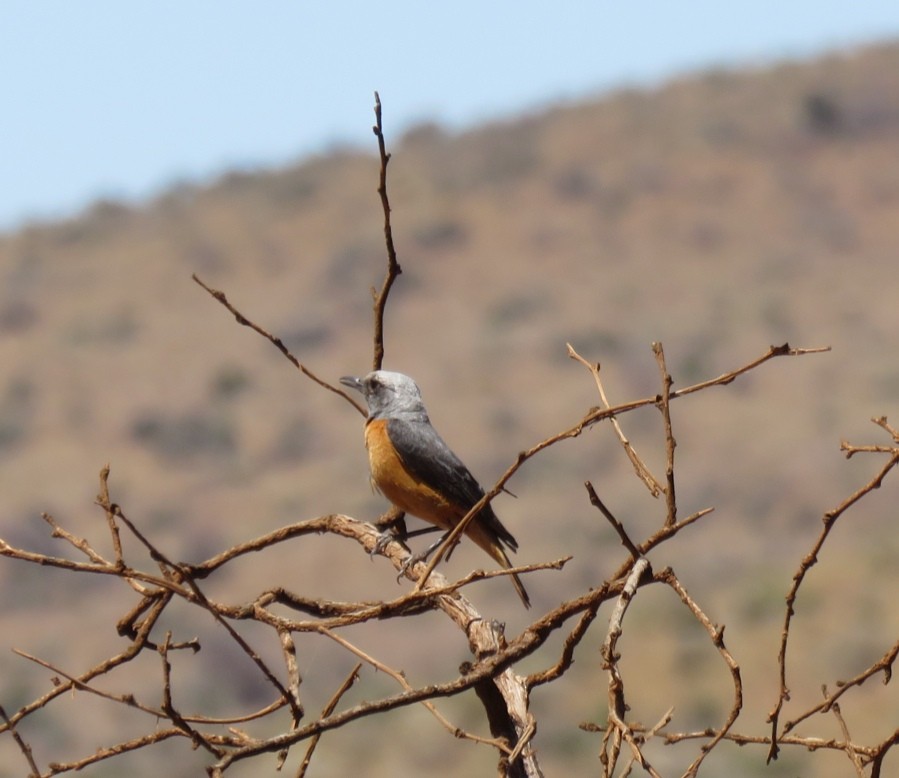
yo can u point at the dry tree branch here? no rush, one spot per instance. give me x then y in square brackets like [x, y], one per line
[80, 543]
[566, 658]
[103, 499]
[180, 574]
[618, 730]
[180, 580]
[807, 743]
[393, 267]
[655, 488]
[278, 343]
[495, 658]
[809, 561]
[594, 416]
[881, 421]
[648, 734]
[883, 665]
[171, 712]
[616, 525]
[175, 580]
[327, 711]
[726, 378]
[128, 699]
[111, 752]
[576, 635]
[463, 614]
[406, 686]
[880, 753]
[844, 728]
[294, 679]
[716, 633]
[104, 667]
[380, 299]
[664, 406]
[23, 746]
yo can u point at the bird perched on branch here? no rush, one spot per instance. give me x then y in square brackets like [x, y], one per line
[414, 469]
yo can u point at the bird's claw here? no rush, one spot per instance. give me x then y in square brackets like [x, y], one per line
[381, 542]
[410, 562]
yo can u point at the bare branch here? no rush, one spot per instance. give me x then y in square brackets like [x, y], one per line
[716, 633]
[807, 563]
[278, 343]
[640, 467]
[327, 711]
[593, 417]
[393, 267]
[618, 730]
[664, 406]
[23, 746]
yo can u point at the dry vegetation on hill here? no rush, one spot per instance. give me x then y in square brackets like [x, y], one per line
[718, 214]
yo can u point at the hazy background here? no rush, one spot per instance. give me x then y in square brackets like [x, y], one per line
[750, 201]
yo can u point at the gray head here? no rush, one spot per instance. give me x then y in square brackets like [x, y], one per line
[389, 395]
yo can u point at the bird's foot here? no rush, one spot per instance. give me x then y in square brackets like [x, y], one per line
[414, 559]
[421, 556]
[393, 527]
[381, 543]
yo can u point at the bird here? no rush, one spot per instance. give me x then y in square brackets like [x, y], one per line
[416, 470]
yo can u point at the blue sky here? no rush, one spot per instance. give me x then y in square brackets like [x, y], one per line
[112, 99]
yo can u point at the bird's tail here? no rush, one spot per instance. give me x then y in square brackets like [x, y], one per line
[519, 587]
[492, 546]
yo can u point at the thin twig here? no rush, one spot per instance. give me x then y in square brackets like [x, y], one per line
[102, 668]
[716, 633]
[23, 746]
[805, 565]
[103, 500]
[844, 728]
[883, 665]
[184, 575]
[619, 730]
[278, 343]
[327, 711]
[593, 417]
[406, 686]
[294, 679]
[616, 525]
[664, 406]
[169, 709]
[393, 267]
[643, 473]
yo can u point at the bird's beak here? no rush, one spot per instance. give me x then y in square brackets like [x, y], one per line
[352, 382]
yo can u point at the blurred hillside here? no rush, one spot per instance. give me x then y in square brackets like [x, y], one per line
[719, 214]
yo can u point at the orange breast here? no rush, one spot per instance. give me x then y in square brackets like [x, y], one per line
[399, 486]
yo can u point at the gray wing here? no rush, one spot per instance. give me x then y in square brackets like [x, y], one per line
[427, 457]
